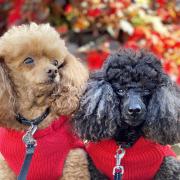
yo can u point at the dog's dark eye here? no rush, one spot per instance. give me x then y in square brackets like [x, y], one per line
[61, 65]
[121, 92]
[55, 62]
[29, 60]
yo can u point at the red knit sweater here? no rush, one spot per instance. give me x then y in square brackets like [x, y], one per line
[53, 145]
[141, 161]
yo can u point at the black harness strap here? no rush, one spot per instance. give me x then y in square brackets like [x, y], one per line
[117, 176]
[29, 141]
[26, 164]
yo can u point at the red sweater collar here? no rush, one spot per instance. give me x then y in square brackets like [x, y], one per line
[141, 161]
[56, 124]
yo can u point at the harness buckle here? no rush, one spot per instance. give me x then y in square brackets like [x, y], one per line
[28, 137]
[118, 169]
[120, 152]
[119, 155]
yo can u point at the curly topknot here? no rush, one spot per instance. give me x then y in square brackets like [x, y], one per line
[129, 66]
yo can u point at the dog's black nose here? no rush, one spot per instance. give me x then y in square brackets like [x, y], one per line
[52, 73]
[134, 109]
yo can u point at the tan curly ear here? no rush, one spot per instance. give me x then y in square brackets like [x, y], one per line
[74, 71]
[73, 79]
[7, 99]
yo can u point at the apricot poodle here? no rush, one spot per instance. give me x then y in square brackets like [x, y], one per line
[39, 75]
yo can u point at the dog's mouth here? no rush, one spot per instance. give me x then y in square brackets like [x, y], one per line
[48, 85]
[50, 82]
[134, 122]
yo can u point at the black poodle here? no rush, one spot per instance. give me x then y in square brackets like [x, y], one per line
[131, 102]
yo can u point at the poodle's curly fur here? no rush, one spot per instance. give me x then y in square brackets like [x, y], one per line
[28, 55]
[126, 74]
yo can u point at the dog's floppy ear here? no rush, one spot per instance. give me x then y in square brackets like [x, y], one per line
[74, 71]
[7, 99]
[73, 79]
[163, 118]
[96, 117]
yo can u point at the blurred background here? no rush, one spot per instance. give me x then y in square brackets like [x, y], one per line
[94, 28]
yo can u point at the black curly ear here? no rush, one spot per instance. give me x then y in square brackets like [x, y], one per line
[163, 117]
[96, 117]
